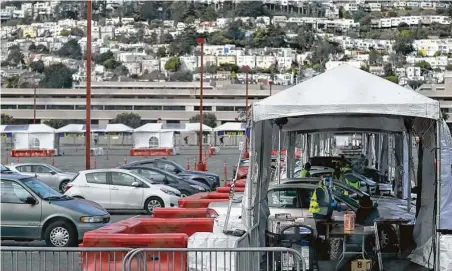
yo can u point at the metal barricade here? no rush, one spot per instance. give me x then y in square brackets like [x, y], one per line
[210, 259]
[62, 259]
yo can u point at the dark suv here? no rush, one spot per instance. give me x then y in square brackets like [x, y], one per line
[209, 179]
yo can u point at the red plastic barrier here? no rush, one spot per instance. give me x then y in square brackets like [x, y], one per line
[189, 226]
[238, 183]
[228, 189]
[202, 200]
[151, 152]
[180, 213]
[106, 261]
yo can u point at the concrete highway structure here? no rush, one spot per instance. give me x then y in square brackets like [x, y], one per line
[173, 102]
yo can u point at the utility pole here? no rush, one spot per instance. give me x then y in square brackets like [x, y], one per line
[88, 87]
[201, 41]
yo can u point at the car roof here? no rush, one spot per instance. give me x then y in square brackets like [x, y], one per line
[104, 170]
[26, 164]
[14, 176]
[144, 166]
[293, 185]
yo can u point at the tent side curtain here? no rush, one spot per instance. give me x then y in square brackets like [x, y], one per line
[163, 139]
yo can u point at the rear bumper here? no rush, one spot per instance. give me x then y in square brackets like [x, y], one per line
[172, 202]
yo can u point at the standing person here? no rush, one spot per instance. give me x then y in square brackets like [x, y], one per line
[221, 141]
[186, 140]
[322, 205]
[305, 172]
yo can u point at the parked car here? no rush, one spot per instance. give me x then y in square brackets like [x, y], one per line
[31, 210]
[120, 189]
[5, 170]
[186, 187]
[209, 179]
[50, 175]
[244, 166]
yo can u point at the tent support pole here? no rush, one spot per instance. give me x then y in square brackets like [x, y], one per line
[438, 195]
[410, 175]
[279, 156]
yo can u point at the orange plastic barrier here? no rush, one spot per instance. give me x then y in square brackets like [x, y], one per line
[144, 233]
[32, 153]
[238, 183]
[202, 200]
[228, 189]
[180, 213]
[106, 261]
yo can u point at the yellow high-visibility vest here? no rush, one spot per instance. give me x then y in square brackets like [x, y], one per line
[314, 207]
[303, 173]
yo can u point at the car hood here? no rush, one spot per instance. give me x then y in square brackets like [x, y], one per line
[82, 206]
[199, 173]
[193, 182]
[174, 190]
[72, 174]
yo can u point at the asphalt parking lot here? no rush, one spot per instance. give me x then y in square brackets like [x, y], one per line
[74, 160]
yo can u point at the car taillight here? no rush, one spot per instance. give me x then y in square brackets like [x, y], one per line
[67, 187]
[211, 213]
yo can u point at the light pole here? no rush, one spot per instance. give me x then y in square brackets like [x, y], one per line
[34, 104]
[88, 87]
[270, 83]
[246, 69]
[201, 41]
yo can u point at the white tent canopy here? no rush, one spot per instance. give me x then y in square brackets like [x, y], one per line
[231, 126]
[346, 98]
[30, 136]
[107, 128]
[194, 127]
[346, 90]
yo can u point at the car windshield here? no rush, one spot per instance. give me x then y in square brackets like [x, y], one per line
[3, 168]
[41, 189]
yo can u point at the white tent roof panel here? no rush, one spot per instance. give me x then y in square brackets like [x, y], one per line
[231, 126]
[28, 128]
[346, 90]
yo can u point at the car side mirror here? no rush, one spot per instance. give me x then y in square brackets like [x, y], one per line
[177, 171]
[166, 180]
[136, 184]
[52, 172]
[30, 200]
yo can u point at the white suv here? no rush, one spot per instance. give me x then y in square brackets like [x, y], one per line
[120, 189]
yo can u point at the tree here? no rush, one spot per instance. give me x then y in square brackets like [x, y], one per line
[37, 66]
[65, 33]
[392, 78]
[161, 52]
[56, 124]
[388, 71]
[181, 76]
[166, 38]
[100, 59]
[7, 119]
[184, 43]
[375, 58]
[404, 43]
[111, 64]
[57, 76]
[209, 119]
[121, 70]
[77, 32]
[424, 65]
[71, 49]
[40, 48]
[132, 120]
[15, 56]
[173, 64]
[209, 14]
[449, 67]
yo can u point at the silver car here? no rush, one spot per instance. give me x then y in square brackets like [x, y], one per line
[31, 210]
[50, 175]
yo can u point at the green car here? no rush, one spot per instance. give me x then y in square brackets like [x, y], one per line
[31, 210]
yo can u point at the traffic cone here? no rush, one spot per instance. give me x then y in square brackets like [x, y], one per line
[225, 171]
[194, 163]
[205, 157]
[6, 158]
[205, 164]
[53, 161]
[187, 167]
[94, 162]
[125, 160]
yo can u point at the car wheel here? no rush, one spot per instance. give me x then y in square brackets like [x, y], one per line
[60, 234]
[388, 238]
[63, 185]
[152, 203]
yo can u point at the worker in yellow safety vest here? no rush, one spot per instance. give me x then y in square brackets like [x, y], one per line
[322, 205]
[354, 183]
[306, 171]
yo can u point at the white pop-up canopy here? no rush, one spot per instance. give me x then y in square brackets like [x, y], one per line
[346, 90]
[156, 135]
[114, 128]
[30, 136]
[231, 127]
[349, 99]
